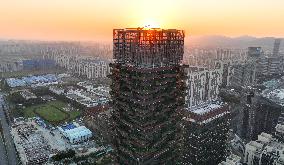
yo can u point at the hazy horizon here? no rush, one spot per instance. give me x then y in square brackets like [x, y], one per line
[109, 39]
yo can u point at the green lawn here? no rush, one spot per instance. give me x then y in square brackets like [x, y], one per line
[52, 112]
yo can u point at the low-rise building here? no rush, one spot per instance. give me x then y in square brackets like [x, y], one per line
[88, 99]
[56, 90]
[232, 160]
[28, 95]
[266, 150]
[279, 132]
[33, 81]
[75, 133]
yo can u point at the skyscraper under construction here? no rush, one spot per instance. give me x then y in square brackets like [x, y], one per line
[147, 93]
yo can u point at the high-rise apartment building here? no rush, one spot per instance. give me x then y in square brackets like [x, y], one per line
[205, 134]
[203, 85]
[148, 91]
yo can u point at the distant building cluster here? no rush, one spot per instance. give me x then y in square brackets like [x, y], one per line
[89, 96]
[240, 67]
[81, 58]
[209, 57]
[33, 64]
[265, 150]
[270, 65]
[274, 90]
[27, 95]
[84, 66]
[10, 65]
[232, 159]
[85, 60]
[20, 55]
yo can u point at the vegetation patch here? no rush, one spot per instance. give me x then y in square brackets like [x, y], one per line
[52, 112]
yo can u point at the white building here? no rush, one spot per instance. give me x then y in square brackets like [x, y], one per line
[56, 90]
[87, 66]
[265, 150]
[28, 95]
[232, 160]
[75, 133]
[202, 85]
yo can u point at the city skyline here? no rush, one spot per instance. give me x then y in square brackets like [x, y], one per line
[94, 20]
[149, 82]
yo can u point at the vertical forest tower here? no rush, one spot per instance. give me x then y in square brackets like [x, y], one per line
[147, 93]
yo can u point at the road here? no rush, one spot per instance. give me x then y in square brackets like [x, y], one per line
[9, 144]
[3, 155]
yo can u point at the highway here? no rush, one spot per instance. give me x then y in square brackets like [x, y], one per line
[8, 141]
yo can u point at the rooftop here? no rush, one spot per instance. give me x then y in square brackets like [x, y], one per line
[68, 127]
[274, 90]
[254, 145]
[207, 112]
[276, 95]
[32, 80]
[73, 131]
[203, 109]
[279, 128]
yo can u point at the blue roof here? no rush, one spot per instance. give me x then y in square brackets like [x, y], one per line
[68, 127]
[78, 132]
[29, 80]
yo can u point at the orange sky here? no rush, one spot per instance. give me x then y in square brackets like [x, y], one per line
[95, 19]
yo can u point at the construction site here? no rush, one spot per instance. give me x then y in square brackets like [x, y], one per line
[148, 47]
[36, 144]
[32, 147]
[148, 91]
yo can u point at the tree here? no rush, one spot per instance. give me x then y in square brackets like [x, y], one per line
[63, 155]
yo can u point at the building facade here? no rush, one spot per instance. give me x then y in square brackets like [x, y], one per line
[147, 95]
[202, 85]
[92, 68]
[259, 115]
[205, 134]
